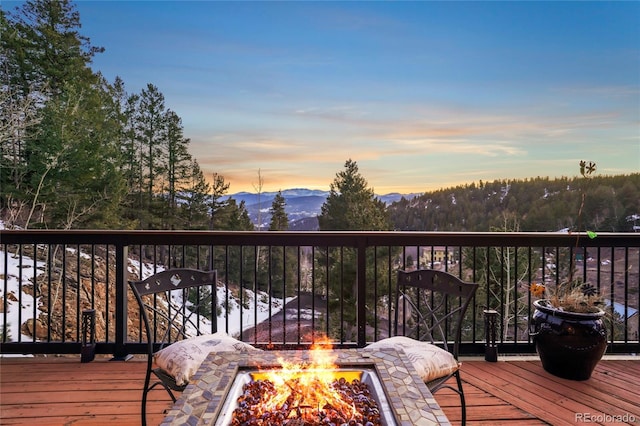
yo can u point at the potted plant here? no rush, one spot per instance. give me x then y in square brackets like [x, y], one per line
[567, 325]
[568, 330]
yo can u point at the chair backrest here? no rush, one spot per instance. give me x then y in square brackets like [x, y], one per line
[430, 305]
[176, 304]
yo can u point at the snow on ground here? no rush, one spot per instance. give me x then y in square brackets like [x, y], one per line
[249, 310]
[20, 304]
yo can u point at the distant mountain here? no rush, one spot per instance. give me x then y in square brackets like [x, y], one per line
[395, 196]
[305, 224]
[250, 198]
[302, 206]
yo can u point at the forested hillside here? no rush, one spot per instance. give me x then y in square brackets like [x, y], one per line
[79, 151]
[612, 204]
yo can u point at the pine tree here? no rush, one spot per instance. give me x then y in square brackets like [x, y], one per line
[194, 200]
[282, 261]
[72, 162]
[178, 165]
[125, 106]
[351, 205]
[151, 123]
[151, 135]
[48, 50]
[19, 114]
[238, 215]
[279, 219]
[218, 189]
[67, 161]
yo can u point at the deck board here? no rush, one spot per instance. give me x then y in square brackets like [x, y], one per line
[557, 401]
[618, 395]
[61, 390]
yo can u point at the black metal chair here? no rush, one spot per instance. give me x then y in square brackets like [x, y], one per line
[171, 304]
[430, 306]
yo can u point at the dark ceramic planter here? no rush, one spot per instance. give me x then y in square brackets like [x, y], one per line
[569, 344]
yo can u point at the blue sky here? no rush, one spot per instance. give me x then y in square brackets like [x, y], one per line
[422, 95]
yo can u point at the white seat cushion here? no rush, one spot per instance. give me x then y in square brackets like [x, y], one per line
[430, 361]
[183, 358]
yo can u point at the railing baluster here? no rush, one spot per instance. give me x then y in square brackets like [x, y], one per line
[331, 272]
[120, 352]
[361, 277]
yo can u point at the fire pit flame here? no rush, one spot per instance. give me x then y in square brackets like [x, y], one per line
[312, 393]
[310, 384]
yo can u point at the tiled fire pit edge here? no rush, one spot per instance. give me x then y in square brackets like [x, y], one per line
[201, 402]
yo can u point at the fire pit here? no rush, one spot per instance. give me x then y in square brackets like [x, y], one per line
[395, 388]
[365, 399]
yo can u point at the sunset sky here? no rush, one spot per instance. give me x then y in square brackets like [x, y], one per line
[422, 95]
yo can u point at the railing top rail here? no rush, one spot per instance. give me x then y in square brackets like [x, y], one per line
[621, 278]
[320, 238]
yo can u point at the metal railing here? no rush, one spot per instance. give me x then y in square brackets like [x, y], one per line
[338, 284]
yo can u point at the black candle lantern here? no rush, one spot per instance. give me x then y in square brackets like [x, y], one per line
[490, 327]
[88, 351]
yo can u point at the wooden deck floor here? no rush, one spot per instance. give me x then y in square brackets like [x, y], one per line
[63, 391]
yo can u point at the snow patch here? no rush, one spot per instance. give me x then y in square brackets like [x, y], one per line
[20, 272]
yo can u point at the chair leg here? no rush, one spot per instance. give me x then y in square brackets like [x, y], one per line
[144, 407]
[463, 405]
[145, 391]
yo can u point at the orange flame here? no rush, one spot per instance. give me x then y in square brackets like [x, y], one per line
[306, 386]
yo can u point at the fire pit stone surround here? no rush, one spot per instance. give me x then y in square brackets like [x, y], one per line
[410, 399]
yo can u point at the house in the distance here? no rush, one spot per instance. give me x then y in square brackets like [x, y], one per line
[429, 257]
[436, 255]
